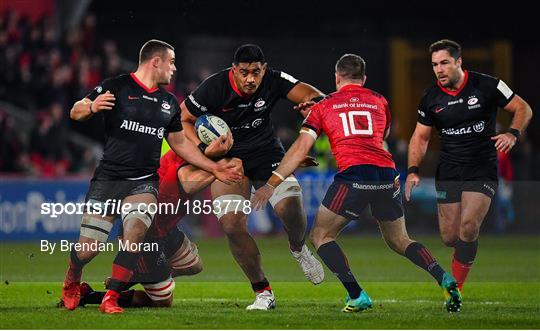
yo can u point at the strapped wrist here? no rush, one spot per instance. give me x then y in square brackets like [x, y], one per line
[280, 176]
[202, 147]
[317, 98]
[413, 170]
[514, 132]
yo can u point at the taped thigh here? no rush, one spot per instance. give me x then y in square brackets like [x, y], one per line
[186, 256]
[160, 291]
[95, 228]
[228, 203]
[142, 212]
[288, 188]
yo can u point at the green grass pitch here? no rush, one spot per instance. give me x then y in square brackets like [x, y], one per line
[503, 291]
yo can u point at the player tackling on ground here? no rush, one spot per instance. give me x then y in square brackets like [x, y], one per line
[177, 255]
[462, 105]
[356, 121]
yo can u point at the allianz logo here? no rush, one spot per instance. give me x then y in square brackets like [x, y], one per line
[477, 127]
[138, 127]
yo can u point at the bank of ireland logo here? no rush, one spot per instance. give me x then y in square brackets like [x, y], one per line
[354, 99]
[479, 127]
[160, 132]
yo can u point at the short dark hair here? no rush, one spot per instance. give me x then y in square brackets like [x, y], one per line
[151, 48]
[248, 53]
[351, 66]
[446, 44]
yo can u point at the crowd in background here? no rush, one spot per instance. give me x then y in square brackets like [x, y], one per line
[42, 73]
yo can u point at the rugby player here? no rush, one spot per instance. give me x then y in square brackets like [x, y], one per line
[244, 96]
[138, 113]
[462, 105]
[356, 120]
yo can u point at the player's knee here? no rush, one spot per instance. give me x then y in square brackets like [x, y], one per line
[233, 223]
[196, 268]
[469, 231]
[290, 209]
[167, 303]
[449, 239]
[86, 256]
[134, 232]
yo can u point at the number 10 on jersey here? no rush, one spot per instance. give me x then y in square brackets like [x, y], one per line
[349, 127]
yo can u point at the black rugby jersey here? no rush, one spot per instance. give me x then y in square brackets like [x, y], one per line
[248, 118]
[135, 127]
[465, 118]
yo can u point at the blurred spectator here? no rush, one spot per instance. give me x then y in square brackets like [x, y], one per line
[12, 144]
[42, 72]
[48, 144]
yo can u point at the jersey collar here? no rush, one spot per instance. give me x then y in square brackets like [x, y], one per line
[235, 89]
[141, 84]
[456, 92]
[350, 87]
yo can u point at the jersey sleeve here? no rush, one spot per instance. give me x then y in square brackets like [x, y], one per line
[424, 116]
[503, 94]
[283, 81]
[313, 123]
[175, 125]
[106, 85]
[200, 101]
[496, 90]
[387, 113]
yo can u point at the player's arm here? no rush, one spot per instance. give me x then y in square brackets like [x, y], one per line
[188, 124]
[304, 96]
[292, 160]
[187, 150]
[522, 117]
[386, 132]
[194, 180]
[85, 108]
[417, 150]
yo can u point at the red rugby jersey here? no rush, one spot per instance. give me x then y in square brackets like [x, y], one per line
[355, 120]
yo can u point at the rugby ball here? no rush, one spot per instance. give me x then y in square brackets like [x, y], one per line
[210, 127]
